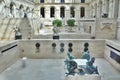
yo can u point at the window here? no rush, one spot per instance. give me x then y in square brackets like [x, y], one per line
[21, 6]
[82, 1]
[52, 12]
[62, 1]
[82, 11]
[72, 12]
[42, 12]
[41, 1]
[62, 12]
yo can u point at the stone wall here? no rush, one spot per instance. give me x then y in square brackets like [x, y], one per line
[106, 29]
[64, 36]
[27, 48]
[7, 28]
[8, 55]
[112, 46]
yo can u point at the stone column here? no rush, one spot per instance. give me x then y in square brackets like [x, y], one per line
[119, 11]
[47, 12]
[103, 7]
[80, 12]
[118, 28]
[91, 12]
[67, 12]
[17, 11]
[57, 12]
[2, 9]
[116, 8]
[111, 9]
[77, 13]
[98, 10]
[107, 7]
[14, 11]
[37, 11]
[1, 6]
[95, 10]
[86, 10]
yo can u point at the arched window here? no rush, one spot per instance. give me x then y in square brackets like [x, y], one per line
[72, 12]
[52, 12]
[62, 1]
[21, 6]
[62, 12]
[41, 1]
[82, 1]
[42, 12]
[82, 11]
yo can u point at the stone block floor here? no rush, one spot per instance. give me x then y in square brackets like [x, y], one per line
[51, 69]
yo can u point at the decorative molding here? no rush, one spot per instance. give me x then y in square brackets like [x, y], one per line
[106, 25]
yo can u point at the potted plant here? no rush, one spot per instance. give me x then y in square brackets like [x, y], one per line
[57, 24]
[71, 24]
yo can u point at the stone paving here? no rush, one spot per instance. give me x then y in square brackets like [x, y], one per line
[51, 69]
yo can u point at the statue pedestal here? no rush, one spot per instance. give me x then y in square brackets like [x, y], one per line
[18, 36]
[56, 37]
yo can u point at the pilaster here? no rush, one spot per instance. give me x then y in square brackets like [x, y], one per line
[77, 13]
[47, 12]
[67, 12]
[57, 12]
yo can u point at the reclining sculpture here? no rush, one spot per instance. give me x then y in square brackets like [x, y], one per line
[90, 68]
[70, 66]
[70, 56]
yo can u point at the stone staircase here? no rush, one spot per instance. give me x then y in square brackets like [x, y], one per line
[6, 28]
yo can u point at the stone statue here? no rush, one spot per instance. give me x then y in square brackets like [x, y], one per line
[71, 66]
[70, 56]
[86, 54]
[17, 30]
[55, 30]
[41, 26]
[18, 34]
[90, 68]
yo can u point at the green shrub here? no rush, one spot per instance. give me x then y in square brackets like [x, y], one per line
[71, 22]
[57, 22]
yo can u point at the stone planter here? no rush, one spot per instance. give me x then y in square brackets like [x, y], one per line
[71, 29]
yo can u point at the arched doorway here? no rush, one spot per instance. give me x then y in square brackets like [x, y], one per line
[21, 6]
[82, 12]
[42, 12]
[52, 12]
[72, 12]
[62, 12]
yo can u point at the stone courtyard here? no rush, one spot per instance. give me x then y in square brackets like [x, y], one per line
[44, 31]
